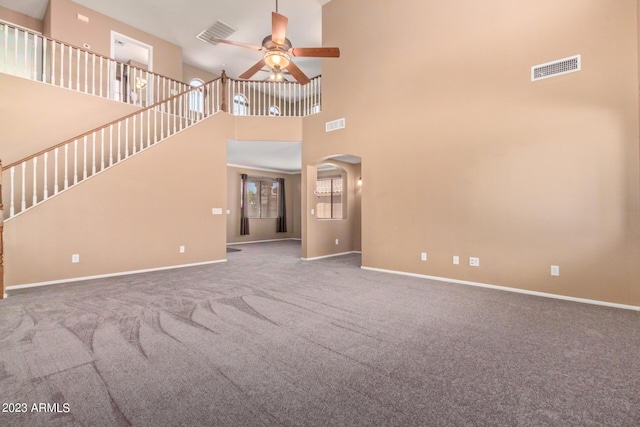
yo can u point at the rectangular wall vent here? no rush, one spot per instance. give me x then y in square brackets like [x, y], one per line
[219, 30]
[555, 68]
[335, 125]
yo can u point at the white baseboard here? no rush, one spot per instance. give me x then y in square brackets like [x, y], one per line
[504, 288]
[103, 276]
[330, 256]
[262, 241]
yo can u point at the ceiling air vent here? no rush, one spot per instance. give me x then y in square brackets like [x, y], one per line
[335, 125]
[219, 30]
[555, 68]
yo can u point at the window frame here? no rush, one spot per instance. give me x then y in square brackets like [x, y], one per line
[240, 105]
[196, 98]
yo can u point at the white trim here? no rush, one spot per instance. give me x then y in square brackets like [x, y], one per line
[263, 241]
[253, 168]
[5, 295]
[330, 256]
[115, 34]
[102, 276]
[20, 27]
[505, 288]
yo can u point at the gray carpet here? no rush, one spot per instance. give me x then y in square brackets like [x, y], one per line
[267, 339]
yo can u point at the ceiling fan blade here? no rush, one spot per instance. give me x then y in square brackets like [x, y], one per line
[297, 74]
[278, 28]
[251, 71]
[317, 52]
[233, 43]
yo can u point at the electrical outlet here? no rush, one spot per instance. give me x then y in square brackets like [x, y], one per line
[555, 270]
[228, 211]
[423, 256]
[75, 258]
[474, 262]
[456, 259]
[216, 211]
[313, 211]
[82, 18]
[337, 241]
[181, 249]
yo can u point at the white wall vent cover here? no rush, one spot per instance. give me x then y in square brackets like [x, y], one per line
[219, 30]
[335, 125]
[555, 68]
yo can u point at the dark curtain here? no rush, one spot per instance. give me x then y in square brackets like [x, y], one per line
[244, 208]
[282, 209]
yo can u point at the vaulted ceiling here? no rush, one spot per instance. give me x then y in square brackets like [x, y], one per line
[180, 22]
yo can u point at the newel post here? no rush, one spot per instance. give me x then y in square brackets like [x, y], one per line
[223, 80]
[2, 288]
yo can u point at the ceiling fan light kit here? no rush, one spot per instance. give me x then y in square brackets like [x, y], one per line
[276, 58]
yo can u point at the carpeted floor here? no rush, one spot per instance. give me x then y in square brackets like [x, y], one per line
[267, 339]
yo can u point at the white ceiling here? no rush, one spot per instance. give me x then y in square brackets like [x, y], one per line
[181, 21]
[275, 156]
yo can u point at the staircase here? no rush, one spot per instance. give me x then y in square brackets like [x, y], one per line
[177, 106]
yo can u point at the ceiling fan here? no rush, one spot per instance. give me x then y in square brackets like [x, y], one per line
[278, 51]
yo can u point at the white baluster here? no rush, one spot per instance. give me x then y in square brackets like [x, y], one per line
[101, 80]
[155, 126]
[93, 153]
[141, 131]
[102, 149]
[126, 138]
[86, 66]
[55, 171]
[148, 128]
[12, 208]
[23, 205]
[61, 65]
[66, 166]
[175, 115]
[75, 162]
[110, 145]
[162, 124]
[84, 158]
[35, 181]
[53, 62]
[46, 178]
[93, 74]
[180, 113]
[70, 76]
[26, 52]
[16, 37]
[44, 60]
[119, 134]
[133, 145]
[6, 50]
[35, 57]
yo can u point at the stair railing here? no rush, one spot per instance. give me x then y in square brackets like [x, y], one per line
[30, 55]
[271, 98]
[49, 172]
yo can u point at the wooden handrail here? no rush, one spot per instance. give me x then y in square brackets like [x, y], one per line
[141, 111]
[271, 81]
[92, 53]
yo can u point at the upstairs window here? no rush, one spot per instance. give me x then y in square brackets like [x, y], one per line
[274, 110]
[196, 98]
[240, 105]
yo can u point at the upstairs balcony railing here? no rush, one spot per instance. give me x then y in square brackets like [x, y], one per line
[35, 57]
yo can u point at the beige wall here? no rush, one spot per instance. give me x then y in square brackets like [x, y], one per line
[262, 229]
[13, 17]
[59, 114]
[132, 217]
[268, 128]
[64, 26]
[189, 72]
[463, 155]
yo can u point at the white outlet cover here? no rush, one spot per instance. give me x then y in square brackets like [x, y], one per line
[313, 211]
[423, 256]
[474, 262]
[181, 249]
[228, 211]
[555, 270]
[337, 241]
[456, 259]
[75, 258]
